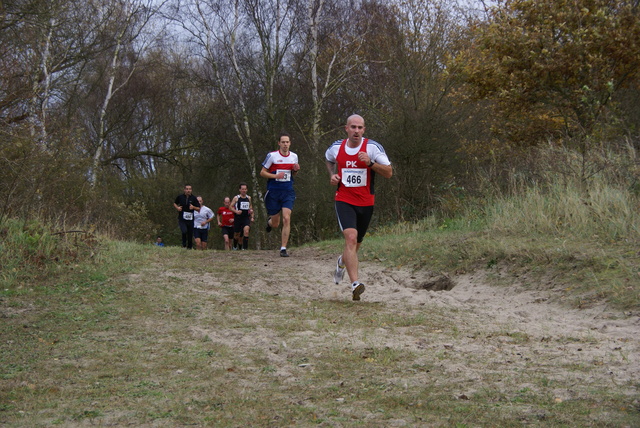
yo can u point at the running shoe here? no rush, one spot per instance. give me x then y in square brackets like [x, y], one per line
[358, 290]
[339, 273]
[283, 253]
[268, 228]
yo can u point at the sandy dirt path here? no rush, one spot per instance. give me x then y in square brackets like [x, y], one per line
[499, 328]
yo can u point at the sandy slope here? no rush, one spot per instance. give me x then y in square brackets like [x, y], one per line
[500, 327]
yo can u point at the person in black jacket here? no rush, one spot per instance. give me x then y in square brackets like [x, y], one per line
[186, 204]
[242, 207]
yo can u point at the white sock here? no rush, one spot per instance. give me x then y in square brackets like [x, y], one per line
[283, 248]
[354, 284]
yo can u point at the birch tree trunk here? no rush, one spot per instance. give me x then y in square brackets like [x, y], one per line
[130, 22]
[41, 89]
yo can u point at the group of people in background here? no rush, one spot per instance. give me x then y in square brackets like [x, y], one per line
[236, 216]
[352, 164]
[233, 218]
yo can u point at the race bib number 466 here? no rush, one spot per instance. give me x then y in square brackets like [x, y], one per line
[354, 177]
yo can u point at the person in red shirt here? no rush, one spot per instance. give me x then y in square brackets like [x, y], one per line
[225, 221]
[353, 164]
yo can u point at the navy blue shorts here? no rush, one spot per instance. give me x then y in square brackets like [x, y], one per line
[276, 200]
[354, 217]
[202, 234]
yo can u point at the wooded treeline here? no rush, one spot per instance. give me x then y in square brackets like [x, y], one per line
[107, 108]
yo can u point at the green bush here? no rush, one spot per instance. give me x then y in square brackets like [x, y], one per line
[33, 248]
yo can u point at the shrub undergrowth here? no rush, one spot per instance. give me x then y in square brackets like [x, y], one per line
[582, 232]
[35, 250]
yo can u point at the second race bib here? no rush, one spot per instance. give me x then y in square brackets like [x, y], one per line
[287, 175]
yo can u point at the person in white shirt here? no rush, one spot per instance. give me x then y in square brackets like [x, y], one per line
[279, 168]
[201, 220]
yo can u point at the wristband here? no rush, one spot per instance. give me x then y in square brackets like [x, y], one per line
[371, 163]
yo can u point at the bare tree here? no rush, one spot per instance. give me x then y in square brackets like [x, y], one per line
[43, 46]
[129, 20]
[333, 55]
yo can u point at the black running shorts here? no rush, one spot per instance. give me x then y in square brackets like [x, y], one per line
[354, 217]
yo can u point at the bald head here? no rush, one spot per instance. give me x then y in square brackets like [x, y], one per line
[355, 130]
[355, 117]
